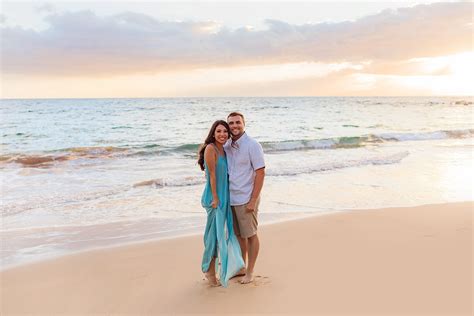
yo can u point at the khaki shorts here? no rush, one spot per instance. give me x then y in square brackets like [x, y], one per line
[245, 223]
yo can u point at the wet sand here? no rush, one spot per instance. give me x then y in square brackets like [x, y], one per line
[397, 261]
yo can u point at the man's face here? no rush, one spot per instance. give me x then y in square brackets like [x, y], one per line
[236, 125]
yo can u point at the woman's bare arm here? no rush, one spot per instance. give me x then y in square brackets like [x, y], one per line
[210, 159]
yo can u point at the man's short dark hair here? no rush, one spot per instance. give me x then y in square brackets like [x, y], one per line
[237, 114]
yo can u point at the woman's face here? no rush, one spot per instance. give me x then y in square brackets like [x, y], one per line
[221, 134]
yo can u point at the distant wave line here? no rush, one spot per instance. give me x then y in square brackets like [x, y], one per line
[50, 158]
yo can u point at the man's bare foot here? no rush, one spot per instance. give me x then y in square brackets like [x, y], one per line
[248, 278]
[211, 278]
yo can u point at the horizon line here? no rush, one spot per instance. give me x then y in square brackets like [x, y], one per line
[254, 97]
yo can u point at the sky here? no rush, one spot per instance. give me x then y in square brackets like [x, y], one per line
[81, 49]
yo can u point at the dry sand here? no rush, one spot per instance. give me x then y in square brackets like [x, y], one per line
[398, 261]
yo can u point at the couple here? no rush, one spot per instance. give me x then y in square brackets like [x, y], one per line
[235, 169]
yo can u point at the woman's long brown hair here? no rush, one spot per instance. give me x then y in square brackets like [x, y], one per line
[209, 140]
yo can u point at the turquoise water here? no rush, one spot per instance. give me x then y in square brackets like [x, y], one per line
[85, 173]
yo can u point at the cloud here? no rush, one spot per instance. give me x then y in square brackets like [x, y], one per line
[85, 44]
[407, 68]
[45, 7]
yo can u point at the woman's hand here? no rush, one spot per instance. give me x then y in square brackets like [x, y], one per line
[215, 203]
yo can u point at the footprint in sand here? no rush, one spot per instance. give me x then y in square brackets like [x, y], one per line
[257, 281]
[261, 280]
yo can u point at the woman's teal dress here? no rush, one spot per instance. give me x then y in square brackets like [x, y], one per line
[219, 238]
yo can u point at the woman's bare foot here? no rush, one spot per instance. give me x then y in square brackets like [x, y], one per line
[211, 278]
[248, 278]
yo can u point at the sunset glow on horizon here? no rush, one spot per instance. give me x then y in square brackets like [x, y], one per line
[419, 50]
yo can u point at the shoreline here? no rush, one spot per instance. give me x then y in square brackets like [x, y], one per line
[402, 261]
[176, 234]
[196, 231]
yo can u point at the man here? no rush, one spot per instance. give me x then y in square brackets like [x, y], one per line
[246, 173]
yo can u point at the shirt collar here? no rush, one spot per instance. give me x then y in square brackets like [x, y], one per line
[241, 138]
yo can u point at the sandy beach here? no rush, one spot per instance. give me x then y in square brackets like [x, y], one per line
[397, 261]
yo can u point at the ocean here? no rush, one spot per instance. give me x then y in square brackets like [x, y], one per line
[79, 174]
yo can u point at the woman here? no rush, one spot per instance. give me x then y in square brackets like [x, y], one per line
[219, 238]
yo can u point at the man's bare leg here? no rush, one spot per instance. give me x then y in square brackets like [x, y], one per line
[253, 248]
[243, 249]
[242, 243]
[211, 273]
